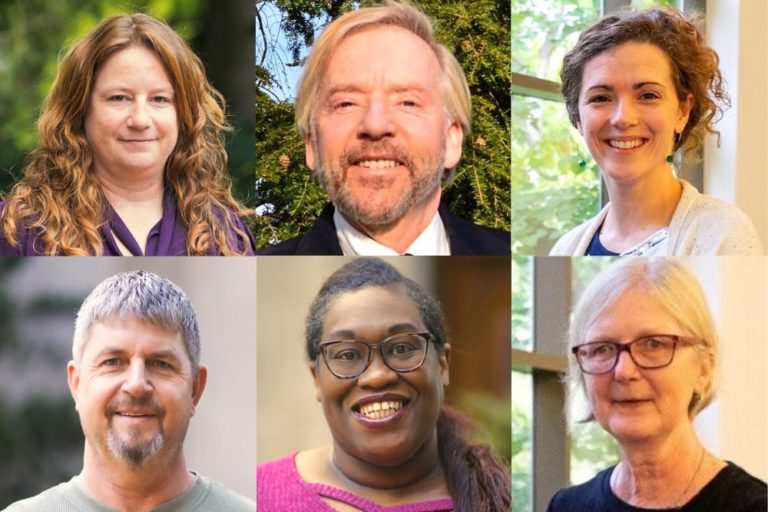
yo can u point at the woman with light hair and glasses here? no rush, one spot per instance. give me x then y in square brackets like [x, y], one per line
[131, 159]
[643, 349]
[379, 356]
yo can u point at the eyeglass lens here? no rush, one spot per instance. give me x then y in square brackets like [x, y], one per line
[402, 352]
[648, 352]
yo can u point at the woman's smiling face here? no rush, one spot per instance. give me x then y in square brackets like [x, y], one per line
[629, 111]
[413, 399]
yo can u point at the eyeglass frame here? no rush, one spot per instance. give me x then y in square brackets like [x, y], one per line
[428, 336]
[625, 347]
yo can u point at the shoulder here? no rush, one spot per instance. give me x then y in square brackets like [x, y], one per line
[319, 239]
[219, 497]
[576, 241]
[55, 499]
[704, 225]
[279, 487]
[733, 489]
[589, 495]
[467, 238]
[245, 242]
[25, 237]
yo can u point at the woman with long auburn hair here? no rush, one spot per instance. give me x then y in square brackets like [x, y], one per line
[130, 158]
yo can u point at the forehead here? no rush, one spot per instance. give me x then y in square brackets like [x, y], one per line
[382, 54]
[373, 311]
[637, 312]
[629, 63]
[134, 64]
[132, 335]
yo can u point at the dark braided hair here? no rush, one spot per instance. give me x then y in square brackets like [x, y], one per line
[477, 479]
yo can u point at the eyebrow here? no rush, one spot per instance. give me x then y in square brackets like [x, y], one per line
[394, 329]
[638, 85]
[159, 354]
[395, 88]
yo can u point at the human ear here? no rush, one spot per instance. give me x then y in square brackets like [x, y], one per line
[685, 112]
[454, 138]
[73, 380]
[313, 370]
[445, 363]
[198, 385]
[309, 152]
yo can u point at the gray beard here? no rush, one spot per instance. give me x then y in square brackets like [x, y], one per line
[425, 176]
[133, 452]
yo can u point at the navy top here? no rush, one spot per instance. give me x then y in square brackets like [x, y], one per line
[166, 238]
[732, 490]
[596, 248]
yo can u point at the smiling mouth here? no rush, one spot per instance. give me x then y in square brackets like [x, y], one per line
[626, 144]
[378, 164]
[379, 410]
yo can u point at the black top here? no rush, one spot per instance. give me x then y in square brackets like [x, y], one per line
[731, 490]
[464, 238]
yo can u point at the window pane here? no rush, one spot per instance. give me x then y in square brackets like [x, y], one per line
[551, 193]
[522, 467]
[544, 30]
[522, 303]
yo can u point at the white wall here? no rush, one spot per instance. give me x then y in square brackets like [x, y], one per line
[737, 171]
[734, 427]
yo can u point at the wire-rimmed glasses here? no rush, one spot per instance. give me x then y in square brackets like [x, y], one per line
[405, 352]
[648, 352]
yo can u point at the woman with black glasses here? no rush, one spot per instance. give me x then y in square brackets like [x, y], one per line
[378, 354]
[643, 349]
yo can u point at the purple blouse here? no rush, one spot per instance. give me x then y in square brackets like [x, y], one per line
[166, 238]
[280, 488]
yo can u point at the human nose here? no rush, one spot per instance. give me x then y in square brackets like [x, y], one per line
[139, 117]
[136, 379]
[377, 374]
[626, 368]
[624, 115]
[377, 121]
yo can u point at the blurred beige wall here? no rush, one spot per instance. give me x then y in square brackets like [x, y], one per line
[735, 425]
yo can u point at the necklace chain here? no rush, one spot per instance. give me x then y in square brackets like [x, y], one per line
[680, 500]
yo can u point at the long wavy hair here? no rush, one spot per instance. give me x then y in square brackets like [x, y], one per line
[477, 478]
[60, 197]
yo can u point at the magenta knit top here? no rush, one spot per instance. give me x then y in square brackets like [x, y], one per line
[280, 488]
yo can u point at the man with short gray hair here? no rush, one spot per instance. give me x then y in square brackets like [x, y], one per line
[136, 379]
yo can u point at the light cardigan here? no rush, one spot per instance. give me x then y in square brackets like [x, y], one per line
[700, 226]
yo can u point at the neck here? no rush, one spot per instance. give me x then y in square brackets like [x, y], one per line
[121, 192]
[662, 473]
[639, 209]
[118, 485]
[401, 233]
[420, 476]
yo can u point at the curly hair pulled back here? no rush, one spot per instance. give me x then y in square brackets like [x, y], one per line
[695, 66]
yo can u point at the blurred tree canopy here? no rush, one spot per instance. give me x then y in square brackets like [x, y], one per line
[34, 34]
[288, 198]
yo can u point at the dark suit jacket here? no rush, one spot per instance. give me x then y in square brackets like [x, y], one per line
[464, 237]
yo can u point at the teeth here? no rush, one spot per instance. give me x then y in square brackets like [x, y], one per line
[625, 144]
[378, 410]
[378, 164]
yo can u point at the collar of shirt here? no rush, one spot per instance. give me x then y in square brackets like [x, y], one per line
[433, 241]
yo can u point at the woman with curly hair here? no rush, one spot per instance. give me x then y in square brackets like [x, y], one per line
[639, 87]
[130, 159]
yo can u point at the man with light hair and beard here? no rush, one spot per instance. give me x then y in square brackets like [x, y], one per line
[136, 379]
[383, 110]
